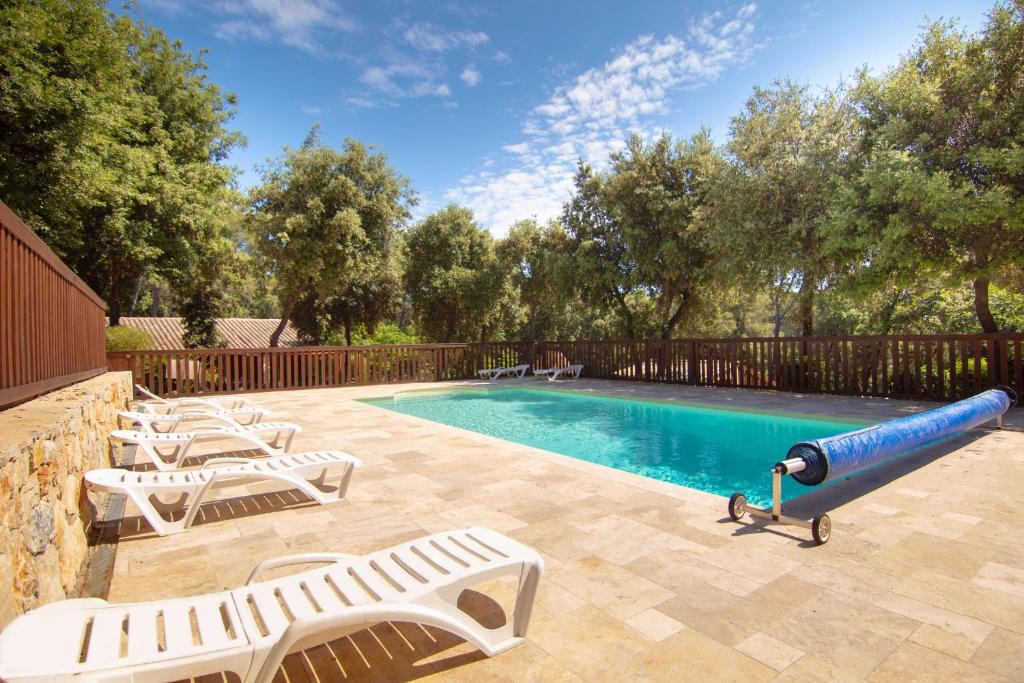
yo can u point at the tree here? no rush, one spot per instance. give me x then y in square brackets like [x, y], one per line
[637, 231]
[113, 146]
[943, 191]
[538, 261]
[604, 270]
[323, 220]
[790, 151]
[458, 287]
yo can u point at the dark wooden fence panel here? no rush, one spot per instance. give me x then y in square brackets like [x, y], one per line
[932, 367]
[51, 323]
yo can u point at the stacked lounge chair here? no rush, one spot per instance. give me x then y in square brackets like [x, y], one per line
[249, 630]
[169, 422]
[155, 404]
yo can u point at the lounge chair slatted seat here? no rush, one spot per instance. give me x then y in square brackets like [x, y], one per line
[249, 630]
[155, 404]
[169, 450]
[182, 492]
[164, 423]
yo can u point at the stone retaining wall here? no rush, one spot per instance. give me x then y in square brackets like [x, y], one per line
[45, 447]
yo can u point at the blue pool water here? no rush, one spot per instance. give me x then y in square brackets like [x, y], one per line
[714, 450]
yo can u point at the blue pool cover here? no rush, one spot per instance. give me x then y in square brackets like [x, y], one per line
[837, 456]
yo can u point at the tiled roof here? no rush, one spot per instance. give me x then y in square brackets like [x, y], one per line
[240, 333]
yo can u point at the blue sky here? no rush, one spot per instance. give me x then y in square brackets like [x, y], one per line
[489, 104]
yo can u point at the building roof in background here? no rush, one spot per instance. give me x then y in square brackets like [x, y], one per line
[239, 333]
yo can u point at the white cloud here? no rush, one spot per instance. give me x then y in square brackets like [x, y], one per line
[502, 57]
[404, 79]
[590, 116]
[519, 148]
[470, 76]
[310, 109]
[299, 23]
[424, 36]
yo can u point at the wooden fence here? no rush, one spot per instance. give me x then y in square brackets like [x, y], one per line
[940, 368]
[51, 323]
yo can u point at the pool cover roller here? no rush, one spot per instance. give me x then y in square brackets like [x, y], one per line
[844, 454]
[823, 460]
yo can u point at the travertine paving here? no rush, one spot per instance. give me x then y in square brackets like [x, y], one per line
[923, 578]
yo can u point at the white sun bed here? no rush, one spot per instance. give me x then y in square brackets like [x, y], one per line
[249, 630]
[573, 371]
[156, 404]
[168, 451]
[491, 373]
[494, 373]
[150, 491]
[159, 423]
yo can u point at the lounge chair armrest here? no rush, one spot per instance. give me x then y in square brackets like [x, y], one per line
[214, 462]
[301, 558]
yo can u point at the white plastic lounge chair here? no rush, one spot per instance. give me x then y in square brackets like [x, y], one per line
[249, 630]
[573, 371]
[156, 404]
[158, 423]
[150, 491]
[543, 372]
[517, 371]
[168, 451]
[491, 373]
[494, 373]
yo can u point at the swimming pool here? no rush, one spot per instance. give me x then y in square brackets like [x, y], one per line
[710, 449]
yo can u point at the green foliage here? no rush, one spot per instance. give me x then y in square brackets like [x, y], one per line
[121, 338]
[199, 311]
[926, 308]
[541, 270]
[458, 287]
[941, 194]
[113, 142]
[326, 223]
[789, 149]
[847, 211]
[638, 243]
[388, 333]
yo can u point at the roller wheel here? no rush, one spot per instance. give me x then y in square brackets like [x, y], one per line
[821, 529]
[737, 506]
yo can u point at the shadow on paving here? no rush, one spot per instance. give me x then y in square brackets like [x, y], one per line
[389, 651]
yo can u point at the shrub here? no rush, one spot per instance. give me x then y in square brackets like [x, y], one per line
[128, 339]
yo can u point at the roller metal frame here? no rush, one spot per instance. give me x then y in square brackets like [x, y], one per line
[820, 526]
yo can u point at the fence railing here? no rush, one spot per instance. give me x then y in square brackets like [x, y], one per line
[941, 368]
[51, 323]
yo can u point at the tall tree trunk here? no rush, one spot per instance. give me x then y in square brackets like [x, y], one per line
[115, 311]
[806, 295]
[985, 319]
[348, 334]
[138, 292]
[286, 315]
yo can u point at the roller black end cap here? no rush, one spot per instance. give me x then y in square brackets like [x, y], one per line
[1009, 392]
